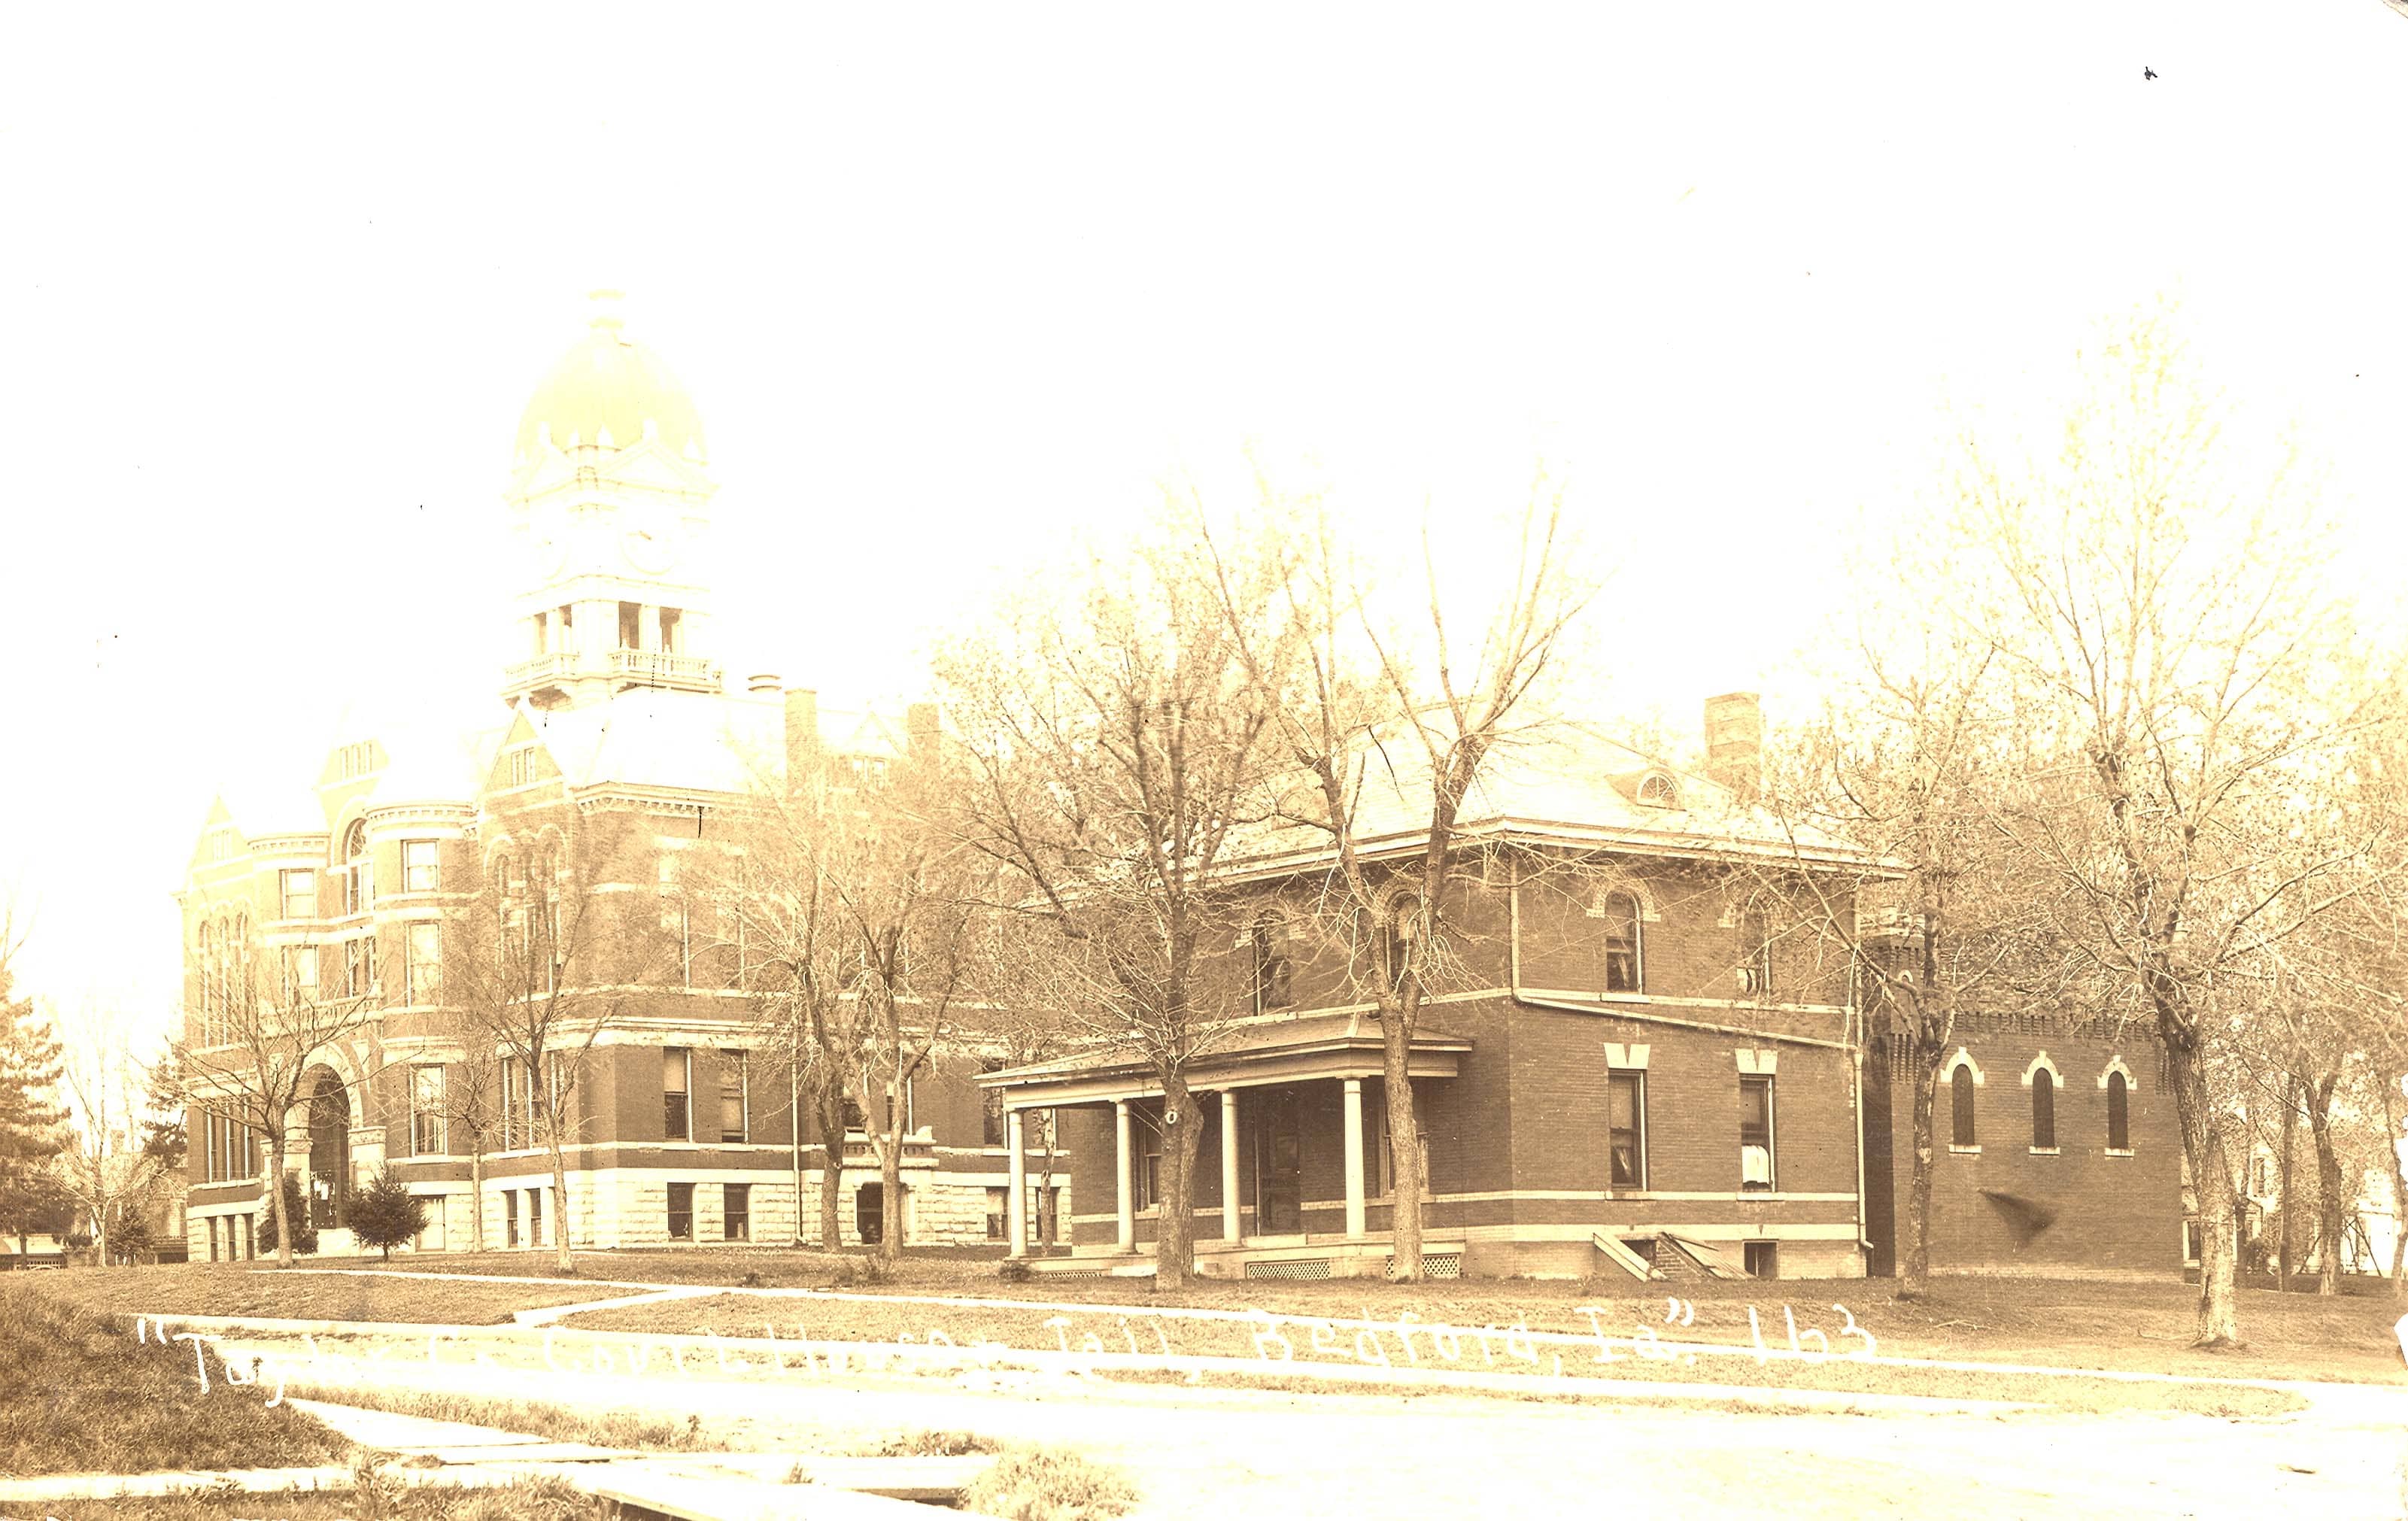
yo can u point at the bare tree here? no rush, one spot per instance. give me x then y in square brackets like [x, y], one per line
[1114, 741]
[2187, 694]
[775, 907]
[536, 983]
[915, 913]
[110, 1169]
[1373, 731]
[264, 1027]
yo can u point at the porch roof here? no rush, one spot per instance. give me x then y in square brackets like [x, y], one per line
[1248, 1054]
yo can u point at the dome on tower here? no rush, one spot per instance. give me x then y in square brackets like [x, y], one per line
[608, 389]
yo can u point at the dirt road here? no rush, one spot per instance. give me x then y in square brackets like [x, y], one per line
[1217, 1453]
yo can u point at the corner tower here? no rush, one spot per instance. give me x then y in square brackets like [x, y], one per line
[610, 501]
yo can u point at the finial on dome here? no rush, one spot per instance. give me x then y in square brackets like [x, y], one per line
[606, 307]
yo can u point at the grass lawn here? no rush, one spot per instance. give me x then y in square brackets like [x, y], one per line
[2125, 1326]
[250, 1289]
[78, 1394]
[528, 1500]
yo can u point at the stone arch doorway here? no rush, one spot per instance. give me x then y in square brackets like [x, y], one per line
[330, 1149]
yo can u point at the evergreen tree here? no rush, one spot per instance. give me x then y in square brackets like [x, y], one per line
[305, 1235]
[386, 1213]
[32, 1125]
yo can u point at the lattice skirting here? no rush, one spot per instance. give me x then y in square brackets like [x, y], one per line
[1313, 1268]
[1434, 1265]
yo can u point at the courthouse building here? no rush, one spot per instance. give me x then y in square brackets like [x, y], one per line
[615, 725]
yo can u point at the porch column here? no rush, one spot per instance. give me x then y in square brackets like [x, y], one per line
[1228, 1164]
[1015, 1208]
[1355, 1156]
[1127, 1237]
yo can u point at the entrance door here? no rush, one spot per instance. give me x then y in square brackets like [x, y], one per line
[1278, 1165]
[330, 1150]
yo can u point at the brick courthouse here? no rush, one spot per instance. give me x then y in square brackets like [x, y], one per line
[1641, 1064]
[615, 727]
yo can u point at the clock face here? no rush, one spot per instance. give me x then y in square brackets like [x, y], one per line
[649, 542]
[647, 549]
[549, 534]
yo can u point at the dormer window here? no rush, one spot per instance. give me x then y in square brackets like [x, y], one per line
[1656, 791]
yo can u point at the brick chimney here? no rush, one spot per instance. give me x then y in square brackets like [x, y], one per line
[1735, 743]
[920, 726]
[802, 732]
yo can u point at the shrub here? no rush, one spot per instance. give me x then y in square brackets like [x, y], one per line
[297, 1209]
[386, 1213]
[1015, 1270]
[1029, 1484]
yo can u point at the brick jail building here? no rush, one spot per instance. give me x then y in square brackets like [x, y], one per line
[1643, 1061]
[610, 759]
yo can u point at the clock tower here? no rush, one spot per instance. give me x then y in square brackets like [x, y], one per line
[608, 501]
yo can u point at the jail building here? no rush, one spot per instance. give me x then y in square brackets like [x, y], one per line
[1643, 1055]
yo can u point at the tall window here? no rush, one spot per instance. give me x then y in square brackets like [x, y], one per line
[735, 1211]
[1755, 1132]
[2043, 1112]
[1620, 912]
[300, 894]
[359, 881]
[631, 625]
[1627, 1122]
[509, 1218]
[1145, 1177]
[359, 965]
[300, 974]
[732, 1072]
[1755, 945]
[422, 970]
[426, 1128]
[870, 1214]
[420, 866]
[1272, 964]
[677, 1082]
[1402, 927]
[1960, 1106]
[680, 1211]
[995, 1132]
[2120, 1130]
[535, 1217]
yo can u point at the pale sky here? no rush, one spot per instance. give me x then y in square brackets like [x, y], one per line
[951, 285]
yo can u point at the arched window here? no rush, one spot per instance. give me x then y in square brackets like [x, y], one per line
[1960, 1106]
[1271, 965]
[1402, 930]
[2120, 1130]
[2043, 1087]
[1657, 792]
[1622, 973]
[358, 875]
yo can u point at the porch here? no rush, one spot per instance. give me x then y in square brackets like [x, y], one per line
[1291, 1168]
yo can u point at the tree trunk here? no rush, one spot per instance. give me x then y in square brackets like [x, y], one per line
[795, 1137]
[1914, 1263]
[1404, 1150]
[2391, 1094]
[831, 1174]
[2331, 1208]
[890, 1185]
[476, 1193]
[560, 1202]
[1175, 1224]
[276, 1193]
[2220, 1321]
[2285, 1246]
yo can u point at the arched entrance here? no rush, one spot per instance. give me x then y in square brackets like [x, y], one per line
[330, 1149]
